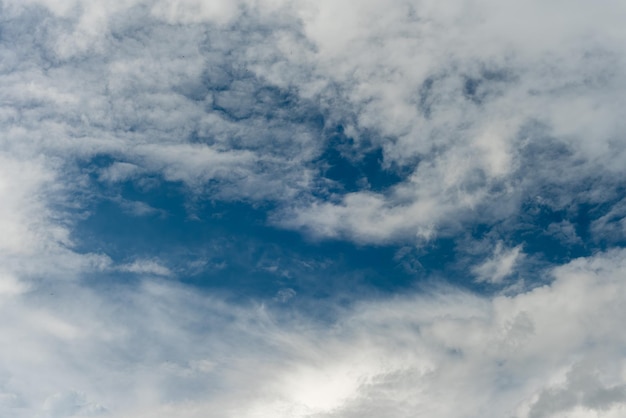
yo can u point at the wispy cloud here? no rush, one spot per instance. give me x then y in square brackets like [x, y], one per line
[500, 265]
[150, 267]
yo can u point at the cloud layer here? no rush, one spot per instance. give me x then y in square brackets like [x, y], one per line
[159, 349]
[377, 123]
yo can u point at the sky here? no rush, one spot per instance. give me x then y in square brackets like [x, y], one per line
[312, 209]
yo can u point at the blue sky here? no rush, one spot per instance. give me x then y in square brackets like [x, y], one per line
[312, 209]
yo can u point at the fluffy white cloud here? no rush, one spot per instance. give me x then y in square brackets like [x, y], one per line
[482, 106]
[487, 104]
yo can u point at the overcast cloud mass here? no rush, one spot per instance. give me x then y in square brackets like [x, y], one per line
[312, 209]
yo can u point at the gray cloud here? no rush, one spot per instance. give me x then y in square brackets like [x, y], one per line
[582, 388]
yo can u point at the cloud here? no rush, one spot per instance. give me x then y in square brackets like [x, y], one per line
[35, 227]
[70, 404]
[483, 117]
[582, 389]
[468, 111]
[24, 212]
[157, 347]
[612, 225]
[145, 267]
[239, 100]
[499, 266]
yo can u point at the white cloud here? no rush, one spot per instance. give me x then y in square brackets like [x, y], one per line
[118, 171]
[481, 108]
[150, 350]
[457, 89]
[10, 285]
[499, 266]
[24, 212]
[151, 267]
[70, 404]
[35, 239]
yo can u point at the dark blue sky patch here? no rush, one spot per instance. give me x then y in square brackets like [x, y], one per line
[350, 171]
[538, 228]
[228, 246]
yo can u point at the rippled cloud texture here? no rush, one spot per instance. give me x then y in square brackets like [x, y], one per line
[268, 208]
